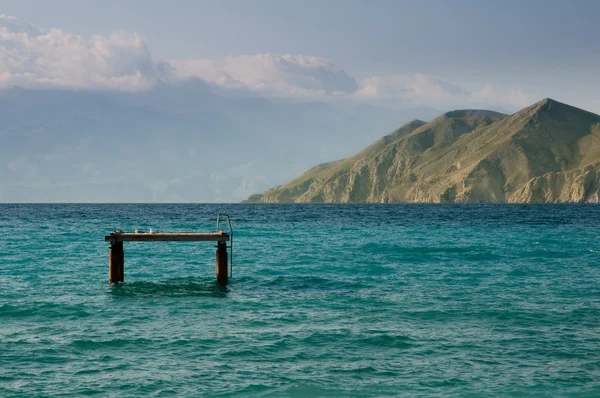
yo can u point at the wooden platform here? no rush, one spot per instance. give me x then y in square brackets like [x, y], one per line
[220, 236]
[116, 262]
[116, 257]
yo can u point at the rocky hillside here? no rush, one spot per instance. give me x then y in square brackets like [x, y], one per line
[546, 153]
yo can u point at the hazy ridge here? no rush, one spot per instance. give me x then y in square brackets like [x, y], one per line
[178, 142]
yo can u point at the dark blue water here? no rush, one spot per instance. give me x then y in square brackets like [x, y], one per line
[373, 300]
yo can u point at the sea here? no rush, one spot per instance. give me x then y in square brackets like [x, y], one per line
[324, 301]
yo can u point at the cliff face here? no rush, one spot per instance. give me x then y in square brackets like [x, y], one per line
[548, 152]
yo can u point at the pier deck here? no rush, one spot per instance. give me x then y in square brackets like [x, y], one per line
[116, 259]
[220, 236]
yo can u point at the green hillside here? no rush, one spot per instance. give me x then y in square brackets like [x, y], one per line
[548, 152]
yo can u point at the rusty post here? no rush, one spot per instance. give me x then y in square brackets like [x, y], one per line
[222, 263]
[116, 263]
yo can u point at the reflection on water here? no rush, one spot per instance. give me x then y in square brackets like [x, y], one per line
[176, 287]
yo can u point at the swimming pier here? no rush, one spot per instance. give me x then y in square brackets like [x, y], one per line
[116, 259]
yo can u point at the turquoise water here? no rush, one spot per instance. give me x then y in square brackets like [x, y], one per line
[373, 300]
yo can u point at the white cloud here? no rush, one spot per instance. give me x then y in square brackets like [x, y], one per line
[419, 89]
[513, 97]
[32, 58]
[413, 88]
[13, 25]
[271, 74]
[311, 77]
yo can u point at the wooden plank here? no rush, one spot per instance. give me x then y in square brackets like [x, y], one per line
[167, 237]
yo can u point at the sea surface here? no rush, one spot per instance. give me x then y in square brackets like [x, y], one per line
[325, 300]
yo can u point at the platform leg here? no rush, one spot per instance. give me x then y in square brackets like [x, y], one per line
[222, 263]
[116, 263]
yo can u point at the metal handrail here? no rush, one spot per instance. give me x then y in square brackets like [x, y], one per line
[230, 239]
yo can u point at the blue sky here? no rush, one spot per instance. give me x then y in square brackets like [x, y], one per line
[535, 48]
[366, 67]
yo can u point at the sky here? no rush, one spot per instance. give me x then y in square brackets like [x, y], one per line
[442, 54]
[292, 83]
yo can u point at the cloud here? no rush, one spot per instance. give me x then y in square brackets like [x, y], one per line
[13, 25]
[419, 89]
[413, 88]
[32, 58]
[296, 75]
[271, 74]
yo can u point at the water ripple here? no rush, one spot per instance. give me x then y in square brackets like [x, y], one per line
[414, 300]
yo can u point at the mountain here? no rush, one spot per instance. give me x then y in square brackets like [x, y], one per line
[546, 153]
[182, 141]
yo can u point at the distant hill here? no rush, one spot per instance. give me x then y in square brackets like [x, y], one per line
[178, 142]
[546, 153]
